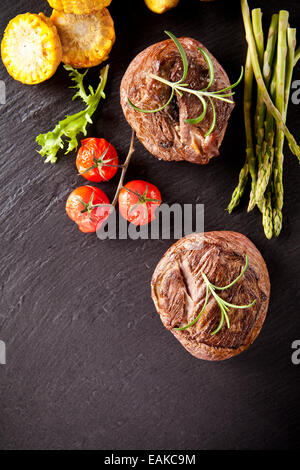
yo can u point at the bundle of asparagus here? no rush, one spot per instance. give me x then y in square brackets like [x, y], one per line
[272, 68]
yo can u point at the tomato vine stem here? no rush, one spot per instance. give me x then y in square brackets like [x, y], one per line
[124, 169]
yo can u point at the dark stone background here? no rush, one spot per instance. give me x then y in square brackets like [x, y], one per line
[89, 364]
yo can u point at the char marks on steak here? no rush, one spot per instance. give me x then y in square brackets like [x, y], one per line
[166, 134]
[178, 291]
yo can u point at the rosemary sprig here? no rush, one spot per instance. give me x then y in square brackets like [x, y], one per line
[180, 87]
[223, 304]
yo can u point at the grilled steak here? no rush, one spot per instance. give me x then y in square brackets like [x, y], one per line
[178, 291]
[166, 134]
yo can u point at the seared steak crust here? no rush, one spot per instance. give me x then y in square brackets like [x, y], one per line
[178, 291]
[166, 134]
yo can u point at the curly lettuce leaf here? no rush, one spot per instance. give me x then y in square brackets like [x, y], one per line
[76, 124]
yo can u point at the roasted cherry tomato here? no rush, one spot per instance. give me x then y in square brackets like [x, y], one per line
[97, 160]
[88, 207]
[138, 202]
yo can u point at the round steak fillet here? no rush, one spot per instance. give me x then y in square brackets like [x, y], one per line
[178, 291]
[165, 133]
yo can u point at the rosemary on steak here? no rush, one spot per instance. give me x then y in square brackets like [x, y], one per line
[181, 87]
[223, 304]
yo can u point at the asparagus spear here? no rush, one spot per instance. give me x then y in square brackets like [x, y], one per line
[270, 49]
[264, 131]
[265, 169]
[265, 166]
[267, 219]
[282, 97]
[260, 81]
[291, 44]
[280, 104]
[265, 202]
[260, 108]
[259, 41]
[240, 188]
[263, 180]
[250, 159]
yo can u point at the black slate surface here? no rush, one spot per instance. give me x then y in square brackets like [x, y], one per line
[89, 364]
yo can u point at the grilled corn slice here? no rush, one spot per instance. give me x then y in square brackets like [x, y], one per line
[86, 39]
[31, 49]
[79, 7]
[160, 6]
